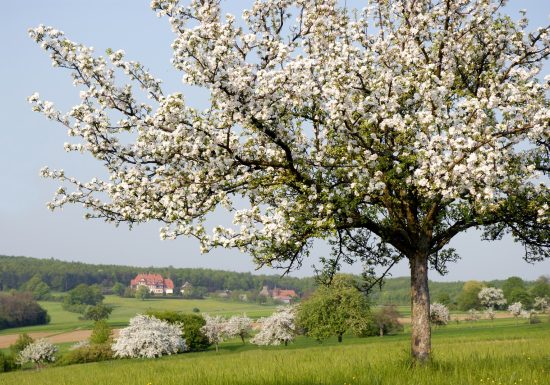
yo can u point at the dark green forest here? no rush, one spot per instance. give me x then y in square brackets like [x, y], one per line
[30, 274]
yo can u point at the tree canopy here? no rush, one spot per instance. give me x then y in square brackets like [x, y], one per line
[385, 131]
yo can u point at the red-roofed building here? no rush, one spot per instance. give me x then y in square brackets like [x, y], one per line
[283, 295]
[155, 282]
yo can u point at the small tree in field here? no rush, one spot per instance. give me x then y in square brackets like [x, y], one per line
[215, 329]
[541, 304]
[491, 297]
[38, 352]
[490, 313]
[386, 321]
[148, 337]
[439, 314]
[333, 310]
[278, 328]
[143, 293]
[386, 131]
[515, 309]
[240, 326]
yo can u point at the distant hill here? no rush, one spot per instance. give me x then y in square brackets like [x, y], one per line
[63, 276]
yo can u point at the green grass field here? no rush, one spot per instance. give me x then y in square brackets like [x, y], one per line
[126, 308]
[499, 353]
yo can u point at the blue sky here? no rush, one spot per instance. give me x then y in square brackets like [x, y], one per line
[28, 142]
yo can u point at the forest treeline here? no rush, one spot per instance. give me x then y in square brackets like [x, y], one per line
[61, 276]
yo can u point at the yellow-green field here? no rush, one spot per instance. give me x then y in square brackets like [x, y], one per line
[126, 308]
[499, 353]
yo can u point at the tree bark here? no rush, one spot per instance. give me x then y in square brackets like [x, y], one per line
[421, 345]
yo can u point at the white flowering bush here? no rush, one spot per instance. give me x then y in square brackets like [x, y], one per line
[215, 329]
[473, 315]
[38, 352]
[239, 326]
[439, 314]
[148, 337]
[515, 309]
[491, 297]
[541, 304]
[395, 125]
[278, 328]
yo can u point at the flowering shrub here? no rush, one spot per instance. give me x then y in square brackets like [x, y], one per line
[490, 313]
[439, 314]
[148, 337]
[278, 328]
[238, 326]
[473, 315]
[38, 352]
[491, 297]
[215, 329]
[515, 309]
[542, 304]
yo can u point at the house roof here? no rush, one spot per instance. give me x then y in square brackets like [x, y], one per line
[168, 283]
[286, 293]
[149, 279]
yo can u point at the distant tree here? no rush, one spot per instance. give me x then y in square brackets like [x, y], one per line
[191, 325]
[439, 314]
[511, 284]
[97, 312]
[23, 340]
[38, 288]
[101, 332]
[129, 292]
[143, 292]
[515, 309]
[444, 299]
[384, 320]
[490, 313]
[519, 294]
[38, 352]
[118, 289]
[473, 315]
[84, 295]
[215, 329]
[541, 304]
[278, 328]
[333, 310]
[239, 326]
[491, 297]
[148, 337]
[468, 298]
[196, 292]
[541, 287]
[20, 309]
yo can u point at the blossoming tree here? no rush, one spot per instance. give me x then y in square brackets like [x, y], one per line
[239, 326]
[491, 297]
[215, 329]
[278, 328]
[148, 337]
[439, 314]
[38, 352]
[385, 131]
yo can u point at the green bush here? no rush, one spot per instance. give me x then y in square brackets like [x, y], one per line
[7, 362]
[195, 339]
[21, 343]
[101, 333]
[91, 353]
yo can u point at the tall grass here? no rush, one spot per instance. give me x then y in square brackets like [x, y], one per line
[502, 354]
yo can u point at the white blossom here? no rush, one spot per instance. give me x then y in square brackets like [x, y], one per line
[491, 297]
[515, 309]
[541, 303]
[238, 326]
[439, 314]
[38, 352]
[278, 328]
[215, 329]
[148, 337]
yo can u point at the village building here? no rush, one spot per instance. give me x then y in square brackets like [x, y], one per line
[155, 282]
[283, 295]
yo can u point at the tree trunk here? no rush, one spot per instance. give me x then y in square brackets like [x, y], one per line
[420, 308]
[339, 338]
[381, 330]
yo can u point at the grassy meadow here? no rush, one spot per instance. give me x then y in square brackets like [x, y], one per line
[499, 352]
[126, 308]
